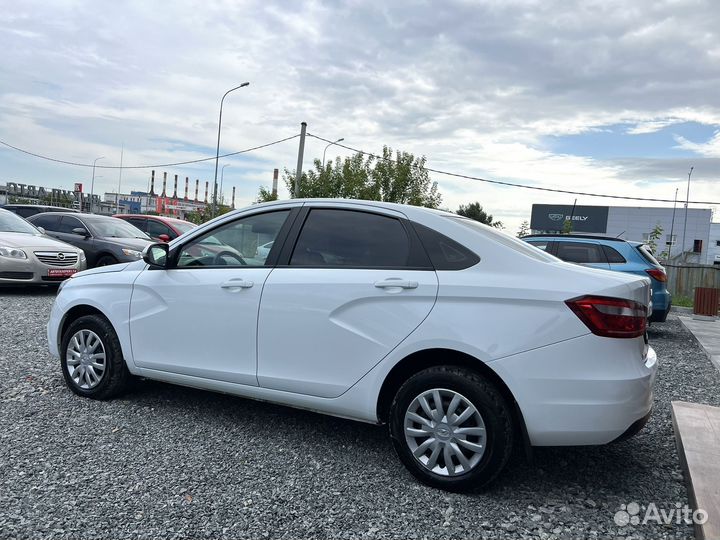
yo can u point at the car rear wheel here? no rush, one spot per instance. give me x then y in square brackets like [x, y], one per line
[451, 428]
[91, 359]
[106, 260]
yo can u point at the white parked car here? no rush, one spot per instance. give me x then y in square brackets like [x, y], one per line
[464, 340]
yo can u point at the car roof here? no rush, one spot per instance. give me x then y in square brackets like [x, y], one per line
[159, 218]
[576, 237]
[61, 208]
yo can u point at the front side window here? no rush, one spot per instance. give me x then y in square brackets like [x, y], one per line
[349, 238]
[235, 243]
[69, 223]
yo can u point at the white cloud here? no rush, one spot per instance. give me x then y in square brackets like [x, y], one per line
[475, 86]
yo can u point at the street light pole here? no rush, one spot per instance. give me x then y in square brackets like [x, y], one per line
[222, 175]
[328, 146]
[92, 185]
[687, 200]
[217, 152]
[672, 227]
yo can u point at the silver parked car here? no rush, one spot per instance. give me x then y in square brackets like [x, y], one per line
[29, 257]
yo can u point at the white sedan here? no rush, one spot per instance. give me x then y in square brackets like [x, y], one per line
[464, 340]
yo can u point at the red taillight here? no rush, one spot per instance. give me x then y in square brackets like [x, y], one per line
[658, 274]
[610, 317]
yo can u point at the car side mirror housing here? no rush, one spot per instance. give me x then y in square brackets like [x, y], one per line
[156, 255]
[81, 232]
[164, 237]
[42, 230]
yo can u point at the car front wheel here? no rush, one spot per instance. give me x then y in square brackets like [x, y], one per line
[91, 358]
[451, 428]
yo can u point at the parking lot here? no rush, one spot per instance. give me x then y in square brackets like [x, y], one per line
[170, 462]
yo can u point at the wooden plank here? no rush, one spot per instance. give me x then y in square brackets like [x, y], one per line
[697, 435]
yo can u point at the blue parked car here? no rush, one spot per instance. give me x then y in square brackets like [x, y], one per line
[610, 254]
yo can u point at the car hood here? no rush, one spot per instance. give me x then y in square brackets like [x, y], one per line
[133, 243]
[103, 270]
[34, 241]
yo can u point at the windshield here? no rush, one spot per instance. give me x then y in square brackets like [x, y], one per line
[10, 222]
[506, 240]
[114, 228]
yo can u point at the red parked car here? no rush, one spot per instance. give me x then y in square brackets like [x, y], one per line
[160, 228]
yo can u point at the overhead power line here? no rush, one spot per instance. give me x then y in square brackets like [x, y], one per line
[512, 184]
[158, 166]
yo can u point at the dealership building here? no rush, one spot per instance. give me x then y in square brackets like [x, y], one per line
[701, 237]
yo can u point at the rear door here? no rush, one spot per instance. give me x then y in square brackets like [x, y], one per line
[353, 286]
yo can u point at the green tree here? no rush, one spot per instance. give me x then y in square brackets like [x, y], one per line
[475, 211]
[265, 195]
[397, 177]
[654, 236]
[524, 229]
[567, 227]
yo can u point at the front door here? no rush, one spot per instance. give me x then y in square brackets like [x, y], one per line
[199, 317]
[355, 286]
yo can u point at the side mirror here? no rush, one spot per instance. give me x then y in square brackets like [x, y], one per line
[164, 237]
[80, 231]
[41, 229]
[156, 255]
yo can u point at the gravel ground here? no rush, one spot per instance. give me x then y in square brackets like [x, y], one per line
[171, 462]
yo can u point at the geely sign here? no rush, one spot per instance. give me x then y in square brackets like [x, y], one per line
[552, 217]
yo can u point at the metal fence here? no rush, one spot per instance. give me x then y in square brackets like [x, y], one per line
[682, 280]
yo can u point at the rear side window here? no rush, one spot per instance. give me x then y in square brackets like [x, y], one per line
[47, 221]
[647, 255]
[580, 252]
[155, 228]
[613, 255]
[445, 253]
[140, 223]
[25, 212]
[349, 238]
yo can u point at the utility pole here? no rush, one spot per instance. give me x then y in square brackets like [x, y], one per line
[301, 150]
[117, 196]
[687, 200]
[672, 226]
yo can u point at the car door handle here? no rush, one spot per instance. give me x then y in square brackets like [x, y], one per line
[237, 284]
[396, 282]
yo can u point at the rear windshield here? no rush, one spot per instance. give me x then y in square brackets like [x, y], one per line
[647, 255]
[506, 240]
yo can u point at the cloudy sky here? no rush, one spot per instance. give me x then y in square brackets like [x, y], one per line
[606, 97]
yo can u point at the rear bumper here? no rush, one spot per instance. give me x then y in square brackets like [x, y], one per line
[584, 391]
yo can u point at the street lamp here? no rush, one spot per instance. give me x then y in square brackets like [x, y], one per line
[222, 175]
[687, 200]
[217, 152]
[92, 185]
[328, 146]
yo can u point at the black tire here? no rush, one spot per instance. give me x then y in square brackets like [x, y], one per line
[489, 403]
[106, 260]
[115, 377]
